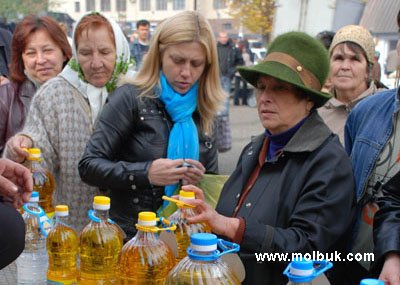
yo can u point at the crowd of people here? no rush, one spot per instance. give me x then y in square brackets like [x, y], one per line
[142, 120]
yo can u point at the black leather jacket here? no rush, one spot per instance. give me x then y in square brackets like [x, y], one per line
[129, 135]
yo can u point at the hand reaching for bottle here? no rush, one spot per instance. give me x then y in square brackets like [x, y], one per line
[15, 183]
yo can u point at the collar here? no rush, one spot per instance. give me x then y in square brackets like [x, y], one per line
[312, 133]
[334, 103]
[309, 136]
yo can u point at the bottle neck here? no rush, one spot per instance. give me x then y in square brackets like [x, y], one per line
[34, 164]
[62, 220]
[101, 214]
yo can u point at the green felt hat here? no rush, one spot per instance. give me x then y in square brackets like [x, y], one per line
[298, 59]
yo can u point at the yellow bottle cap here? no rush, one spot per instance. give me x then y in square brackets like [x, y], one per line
[101, 200]
[34, 153]
[101, 203]
[147, 219]
[186, 195]
[61, 210]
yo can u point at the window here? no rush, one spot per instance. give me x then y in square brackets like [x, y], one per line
[178, 5]
[121, 5]
[90, 5]
[105, 5]
[161, 4]
[227, 26]
[219, 4]
[144, 5]
[77, 7]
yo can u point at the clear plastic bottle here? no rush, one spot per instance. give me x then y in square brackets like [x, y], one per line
[100, 244]
[32, 263]
[183, 229]
[43, 181]
[145, 259]
[203, 265]
[370, 281]
[62, 247]
[303, 271]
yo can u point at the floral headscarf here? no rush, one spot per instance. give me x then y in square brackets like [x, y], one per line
[74, 75]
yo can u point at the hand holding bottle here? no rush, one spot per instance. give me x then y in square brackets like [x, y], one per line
[15, 148]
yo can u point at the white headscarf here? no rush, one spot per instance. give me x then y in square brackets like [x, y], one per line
[73, 74]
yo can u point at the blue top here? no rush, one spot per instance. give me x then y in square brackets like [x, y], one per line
[278, 141]
[204, 239]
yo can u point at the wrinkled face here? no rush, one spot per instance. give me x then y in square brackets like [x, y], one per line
[143, 33]
[280, 107]
[183, 64]
[43, 58]
[96, 55]
[348, 70]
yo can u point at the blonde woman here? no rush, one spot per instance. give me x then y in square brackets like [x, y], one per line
[154, 124]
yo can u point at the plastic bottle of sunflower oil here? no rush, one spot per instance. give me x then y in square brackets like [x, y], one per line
[146, 259]
[99, 246]
[32, 263]
[303, 272]
[43, 181]
[62, 247]
[204, 265]
[183, 229]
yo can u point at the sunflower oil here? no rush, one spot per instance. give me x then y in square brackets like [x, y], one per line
[203, 265]
[145, 259]
[183, 229]
[32, 263]
[100, 244]
[62, 247]
[43, 181]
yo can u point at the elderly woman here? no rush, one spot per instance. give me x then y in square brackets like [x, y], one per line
[65, 109]
[292, 189]
[40, 50]
[352, 58]
[161, 119]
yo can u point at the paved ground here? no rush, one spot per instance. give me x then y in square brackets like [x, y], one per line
[245, 123]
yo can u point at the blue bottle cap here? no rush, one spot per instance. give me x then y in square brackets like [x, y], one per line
[34, 197]
[203, 242]
[371, 281]
[301, 270]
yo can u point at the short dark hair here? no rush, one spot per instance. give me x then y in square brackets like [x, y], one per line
[326, 38]
[142, 23]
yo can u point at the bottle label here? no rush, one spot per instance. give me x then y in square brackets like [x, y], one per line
[63, 282]
[45, 224]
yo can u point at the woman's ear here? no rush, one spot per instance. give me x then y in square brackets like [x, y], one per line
[310, 104]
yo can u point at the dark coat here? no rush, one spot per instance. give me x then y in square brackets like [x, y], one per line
[5, 51]
[302, 201]
[229, 57]
[130, 134]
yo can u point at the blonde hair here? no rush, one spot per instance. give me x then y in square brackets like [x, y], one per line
[187, 26]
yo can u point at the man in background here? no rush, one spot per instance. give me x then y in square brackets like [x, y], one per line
[229, 57]
[140, 46]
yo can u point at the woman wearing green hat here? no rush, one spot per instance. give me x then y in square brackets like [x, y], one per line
[292, 190]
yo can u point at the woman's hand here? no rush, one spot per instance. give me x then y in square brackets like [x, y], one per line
[15, 145]
[165, 171]
[194, 173]
[391, 269]
[219, 224]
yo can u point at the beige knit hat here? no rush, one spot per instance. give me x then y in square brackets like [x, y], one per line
[357, 35]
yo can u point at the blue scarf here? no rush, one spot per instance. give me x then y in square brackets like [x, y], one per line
[183, 140]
